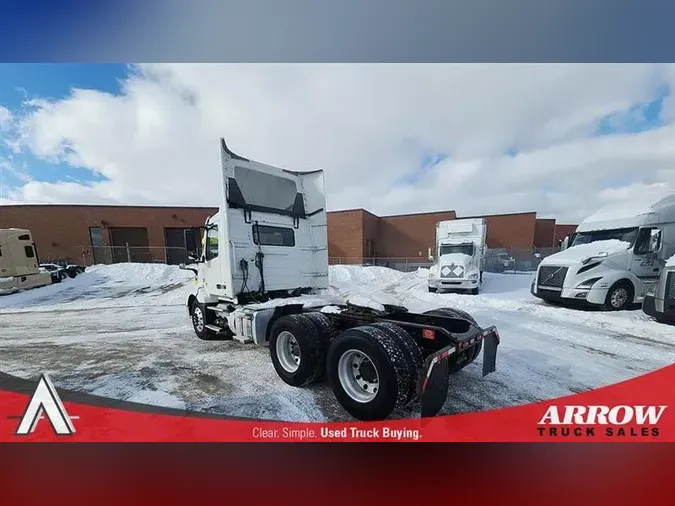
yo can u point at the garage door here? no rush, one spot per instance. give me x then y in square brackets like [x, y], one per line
[130, 244]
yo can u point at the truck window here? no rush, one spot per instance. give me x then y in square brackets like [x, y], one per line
[24, 237]
[448, 249]
[266, 190]
[212, 243]
[29, 251]
[642, 242]
[273, 236]
[622, 234]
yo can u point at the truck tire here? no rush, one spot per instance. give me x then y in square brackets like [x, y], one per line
[298, 345]
[368, 373]
[433, 290]
[474, 291]
[200, 318]
[619, 296]
[467, 357]
[411, 350]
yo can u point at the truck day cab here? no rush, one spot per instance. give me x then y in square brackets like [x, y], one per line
[263, 255]
[613, 258]
[459, 255]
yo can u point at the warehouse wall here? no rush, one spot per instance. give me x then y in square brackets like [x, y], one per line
[62, 231]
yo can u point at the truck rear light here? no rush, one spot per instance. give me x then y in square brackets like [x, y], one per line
[429, 334]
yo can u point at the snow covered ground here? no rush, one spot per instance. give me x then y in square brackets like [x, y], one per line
[122, 331]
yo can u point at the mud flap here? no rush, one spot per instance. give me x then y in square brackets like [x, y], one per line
[490, 343]
[433, 386]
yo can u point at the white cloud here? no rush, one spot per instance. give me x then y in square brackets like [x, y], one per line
[368, 126]
[6, 118]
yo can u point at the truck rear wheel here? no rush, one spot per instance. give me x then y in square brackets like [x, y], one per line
[466, 357]
[411, 350]
[369, 373]
[298, 345]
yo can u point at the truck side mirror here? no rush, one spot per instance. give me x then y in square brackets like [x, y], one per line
[564, 243]
[431, 255]
[192, 244]
[654, 240]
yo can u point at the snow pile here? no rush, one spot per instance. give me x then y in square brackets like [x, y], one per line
[583, 251]
[103, 286]
[671, 262]
[141, 274]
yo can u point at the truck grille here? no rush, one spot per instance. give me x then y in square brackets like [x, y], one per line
[452, 271]
[670, 287]
[551, 276]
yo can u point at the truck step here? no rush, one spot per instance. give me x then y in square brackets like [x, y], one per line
[213, 328]
[242, 339]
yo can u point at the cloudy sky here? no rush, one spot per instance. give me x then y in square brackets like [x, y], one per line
[561, 140]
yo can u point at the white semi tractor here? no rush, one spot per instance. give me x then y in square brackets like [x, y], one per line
[613, 258]
[257, 262]
[458, 256]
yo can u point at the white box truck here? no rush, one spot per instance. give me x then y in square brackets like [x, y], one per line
[613, 258]
[261, 255]
[19, 264]
[458, 255]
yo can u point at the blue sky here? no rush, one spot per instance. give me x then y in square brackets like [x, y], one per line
[19, 82]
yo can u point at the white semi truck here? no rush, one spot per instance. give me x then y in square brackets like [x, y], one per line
[613, 258]
[257, 262]
[459, 255]
[19, 264]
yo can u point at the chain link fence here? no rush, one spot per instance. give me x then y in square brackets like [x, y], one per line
[87, 255]
[498, 260]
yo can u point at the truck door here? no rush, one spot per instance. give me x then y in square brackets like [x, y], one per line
[645, 263]
[213, 281]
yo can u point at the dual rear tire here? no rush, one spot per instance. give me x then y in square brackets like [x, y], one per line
[372, 369]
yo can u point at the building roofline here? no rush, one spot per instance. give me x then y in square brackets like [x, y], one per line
[498, 214]
[438, 212]
[419, 214]
[355, 209]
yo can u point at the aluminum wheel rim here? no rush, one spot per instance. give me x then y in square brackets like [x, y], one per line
[619, 297]
[198, 319]
[288, 351]
[350, 373]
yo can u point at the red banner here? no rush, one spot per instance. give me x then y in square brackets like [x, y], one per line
[637, 410]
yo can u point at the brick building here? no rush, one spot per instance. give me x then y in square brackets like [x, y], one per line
[100, 234]
[356, 234]
[562, 231]
[104, 234]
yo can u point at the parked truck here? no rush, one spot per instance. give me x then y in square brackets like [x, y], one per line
[19, 264]
[261, 265]
[458, 256]
[613, 258]
[659, 300]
